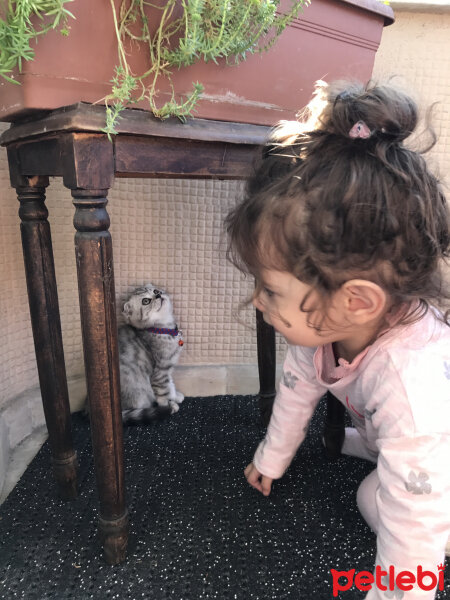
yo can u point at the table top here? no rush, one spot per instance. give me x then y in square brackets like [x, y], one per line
[144, 146]
[91, 118]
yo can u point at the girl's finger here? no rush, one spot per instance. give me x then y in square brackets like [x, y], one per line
[252, 477]
[256, 484]
[266, 485]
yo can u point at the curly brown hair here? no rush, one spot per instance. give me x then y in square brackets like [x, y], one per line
[327, 207]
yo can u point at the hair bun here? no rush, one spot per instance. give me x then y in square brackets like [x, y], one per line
[387, 111]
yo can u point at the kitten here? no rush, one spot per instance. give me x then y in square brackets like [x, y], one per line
[149, 347]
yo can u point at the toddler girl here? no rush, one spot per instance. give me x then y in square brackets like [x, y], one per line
[347, 232]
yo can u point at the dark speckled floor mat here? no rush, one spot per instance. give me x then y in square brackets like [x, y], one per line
[198, 531]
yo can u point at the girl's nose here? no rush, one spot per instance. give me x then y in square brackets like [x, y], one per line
[257, 304]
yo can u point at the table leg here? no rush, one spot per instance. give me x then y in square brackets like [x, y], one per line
[266, 365]
[334, 427]
[93, 249]
[45, 321]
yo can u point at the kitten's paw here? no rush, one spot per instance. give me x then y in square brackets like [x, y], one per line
[179, 397]
[173, 406]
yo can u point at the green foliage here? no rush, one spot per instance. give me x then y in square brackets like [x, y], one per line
[17, 30]
[206, 30]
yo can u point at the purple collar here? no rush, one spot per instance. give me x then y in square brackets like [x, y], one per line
[163, 330]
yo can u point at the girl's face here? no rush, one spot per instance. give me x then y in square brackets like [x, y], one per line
[279, 301]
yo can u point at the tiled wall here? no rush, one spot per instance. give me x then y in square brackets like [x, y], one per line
[414, 51]
[168, 232]
[17, 365]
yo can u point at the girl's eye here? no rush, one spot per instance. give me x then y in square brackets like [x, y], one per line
[268, 292]
[145, 300]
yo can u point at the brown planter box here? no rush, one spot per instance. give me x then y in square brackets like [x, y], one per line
[332, 39]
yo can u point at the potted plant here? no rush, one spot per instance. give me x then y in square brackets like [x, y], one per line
[177, 34]
[168, 46]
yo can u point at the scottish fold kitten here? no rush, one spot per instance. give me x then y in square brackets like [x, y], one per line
[149, 347]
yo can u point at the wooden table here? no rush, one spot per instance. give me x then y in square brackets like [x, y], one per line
[69, 143]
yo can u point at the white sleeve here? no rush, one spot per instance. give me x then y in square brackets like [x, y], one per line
[294, 404]
[414, 508]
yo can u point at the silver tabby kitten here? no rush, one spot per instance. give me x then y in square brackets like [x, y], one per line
[149, 347]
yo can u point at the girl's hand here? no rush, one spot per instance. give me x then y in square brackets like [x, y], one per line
[257, 480]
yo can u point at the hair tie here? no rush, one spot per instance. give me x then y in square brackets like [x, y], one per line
[360, 130]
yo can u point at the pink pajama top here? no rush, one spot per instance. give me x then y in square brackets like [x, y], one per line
[397, 392]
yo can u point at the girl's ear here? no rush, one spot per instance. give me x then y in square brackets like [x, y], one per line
[363, 300]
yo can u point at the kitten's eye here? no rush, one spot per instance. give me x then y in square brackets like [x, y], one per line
[145, 300]
[156, 291]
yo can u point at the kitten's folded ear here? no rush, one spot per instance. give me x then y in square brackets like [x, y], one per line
[127, 309]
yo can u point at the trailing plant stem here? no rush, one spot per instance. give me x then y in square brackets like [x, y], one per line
[211, 29]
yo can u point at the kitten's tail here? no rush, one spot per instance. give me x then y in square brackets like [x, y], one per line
[134, 416]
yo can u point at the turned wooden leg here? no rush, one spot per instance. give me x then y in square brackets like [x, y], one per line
[93, 249]
[334, 427]
[265, 335]
[45, 321]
